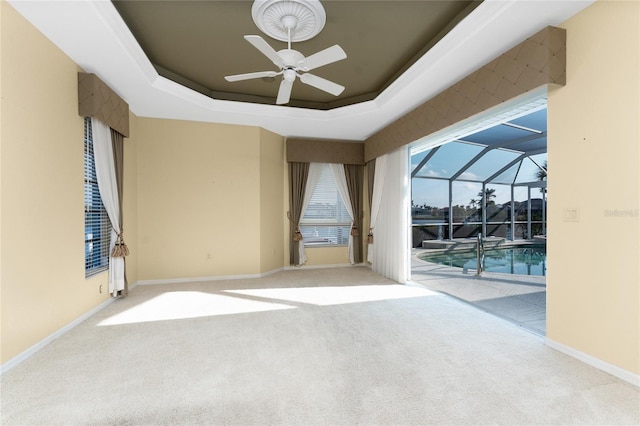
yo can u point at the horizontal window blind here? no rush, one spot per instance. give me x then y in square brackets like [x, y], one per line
[326, 220]
[97, 227]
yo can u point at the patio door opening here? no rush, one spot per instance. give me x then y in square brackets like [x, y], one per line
[478, 211]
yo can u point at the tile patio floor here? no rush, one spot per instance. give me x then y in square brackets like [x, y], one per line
[520, 299]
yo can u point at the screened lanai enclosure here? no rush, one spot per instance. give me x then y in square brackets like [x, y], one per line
[491, 182]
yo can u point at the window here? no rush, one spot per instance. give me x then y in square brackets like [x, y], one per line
[97, 227]
[326, 220]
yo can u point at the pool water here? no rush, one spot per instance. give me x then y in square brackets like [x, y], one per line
[529, 260]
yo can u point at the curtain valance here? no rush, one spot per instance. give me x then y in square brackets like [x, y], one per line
[538, 61]
[96, 99]
[324, 151]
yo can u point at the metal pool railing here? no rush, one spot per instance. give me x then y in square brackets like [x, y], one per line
[480, 253]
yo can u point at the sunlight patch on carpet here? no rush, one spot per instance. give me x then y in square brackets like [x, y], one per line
[189, 304]
[323, 296]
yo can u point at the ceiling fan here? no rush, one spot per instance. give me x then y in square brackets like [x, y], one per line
[293, 64]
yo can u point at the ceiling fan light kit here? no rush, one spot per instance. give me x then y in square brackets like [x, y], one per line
[291, 20]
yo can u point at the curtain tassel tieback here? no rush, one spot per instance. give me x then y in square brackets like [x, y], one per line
[297, 235]
[120, 249]
[370, 236]
[355, 232]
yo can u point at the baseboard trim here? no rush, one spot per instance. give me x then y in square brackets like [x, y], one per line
[618, 372]
[337, 265]
[244, 276]
[44, 342]
[206, 279]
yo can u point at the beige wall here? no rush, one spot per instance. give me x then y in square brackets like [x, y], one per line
[43, 287]
[319, 256]
[272, 227]
[130, 200]
[201, 191]
[593, 284]
[1, 97]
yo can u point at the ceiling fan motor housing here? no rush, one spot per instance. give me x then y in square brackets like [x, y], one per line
[305, 18]
[292, 58]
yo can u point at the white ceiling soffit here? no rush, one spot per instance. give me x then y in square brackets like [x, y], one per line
[94, 36]
[525, 104]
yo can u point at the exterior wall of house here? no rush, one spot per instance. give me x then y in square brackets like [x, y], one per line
[593, 282]
[43, 285]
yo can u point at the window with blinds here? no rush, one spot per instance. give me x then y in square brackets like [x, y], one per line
[97, 227]
[326, 220]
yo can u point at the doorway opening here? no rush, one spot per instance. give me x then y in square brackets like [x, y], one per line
[478, 211]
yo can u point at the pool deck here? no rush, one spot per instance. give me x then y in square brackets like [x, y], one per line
[520, 299]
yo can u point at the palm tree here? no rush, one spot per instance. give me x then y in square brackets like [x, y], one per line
[541, 175]
[489, 193]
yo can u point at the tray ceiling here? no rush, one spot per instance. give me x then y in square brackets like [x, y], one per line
[175, 72]
[197, 43]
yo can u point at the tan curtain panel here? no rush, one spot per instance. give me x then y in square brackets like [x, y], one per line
[298, 174]
[354, 175]
[117, 142]
[371, 172]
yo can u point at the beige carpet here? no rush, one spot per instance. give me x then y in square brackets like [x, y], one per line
[327, 346]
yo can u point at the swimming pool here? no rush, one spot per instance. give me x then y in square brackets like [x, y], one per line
[517, 260]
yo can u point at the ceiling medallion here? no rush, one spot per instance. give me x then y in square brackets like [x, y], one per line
[304, 18]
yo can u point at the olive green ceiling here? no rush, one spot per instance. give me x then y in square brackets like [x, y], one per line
[197, 43]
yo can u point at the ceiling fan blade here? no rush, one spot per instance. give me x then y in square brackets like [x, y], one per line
[250, 75]
[323, 57]
[264, 47]
[284, 93]
[322, 84]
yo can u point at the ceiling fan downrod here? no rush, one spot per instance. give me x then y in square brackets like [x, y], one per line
[289, 22]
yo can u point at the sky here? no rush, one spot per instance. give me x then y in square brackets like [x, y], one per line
[452, 156]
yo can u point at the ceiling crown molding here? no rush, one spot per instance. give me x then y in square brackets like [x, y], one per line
[95, 37]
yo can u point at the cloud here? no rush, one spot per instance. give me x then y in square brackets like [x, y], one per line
[469, 175]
